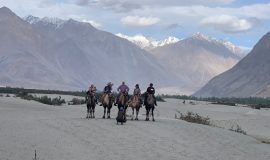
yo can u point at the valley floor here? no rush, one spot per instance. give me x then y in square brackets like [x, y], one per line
[62, 133]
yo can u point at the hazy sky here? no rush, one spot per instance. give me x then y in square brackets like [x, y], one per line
[242, 22]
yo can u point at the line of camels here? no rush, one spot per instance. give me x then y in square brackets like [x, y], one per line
[123, 101]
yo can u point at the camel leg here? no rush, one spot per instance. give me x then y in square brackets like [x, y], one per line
[87, 115]
[147, 114]
[104, 112]
[109, 113]
[94, 112]
[137, 113]
[132, 114]
[153, 119]
[90, 113]
[125, 115]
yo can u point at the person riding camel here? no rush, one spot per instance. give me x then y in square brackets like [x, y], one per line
[91, 91]
[137, 92]
[107, 90]
[150, 90]
[122, 89]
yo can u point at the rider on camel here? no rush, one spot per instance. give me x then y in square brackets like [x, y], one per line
[137, 92]
[122, 89]
[91, 91]
[150, 90]
[107, 90]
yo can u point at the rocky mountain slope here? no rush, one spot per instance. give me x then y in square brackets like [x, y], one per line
[250, 77]
[197, 59]
[52, 53]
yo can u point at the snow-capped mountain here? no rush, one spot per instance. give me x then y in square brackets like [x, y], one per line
[197, 59]
[167, 41]
[148, 43]
[229, 45]
[250, 77]
[38, 53]
[46, 20]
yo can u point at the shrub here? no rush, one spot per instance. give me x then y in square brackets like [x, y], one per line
[160, 99]
[55, 101]
[194, 118]
[238, 129]
[7, 95]
[24, 95]
[44, 99]
[1, 95]
[76, 101]
[58, 101]
[35, 156]
[224, 103]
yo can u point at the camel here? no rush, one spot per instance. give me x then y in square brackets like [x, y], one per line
[91, 104]
[107, 104]
[135, 104]
[150, 105]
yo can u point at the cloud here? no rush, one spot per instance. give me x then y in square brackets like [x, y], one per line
[49, 3]
[93, 23]
[173, 26]
[139, 21]
[128, 5]
[115, 5]
[82, 2]
[229, 24]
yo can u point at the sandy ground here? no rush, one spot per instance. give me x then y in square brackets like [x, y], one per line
[63, 133]
[254, 122]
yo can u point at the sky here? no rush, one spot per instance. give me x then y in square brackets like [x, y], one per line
[243, 22]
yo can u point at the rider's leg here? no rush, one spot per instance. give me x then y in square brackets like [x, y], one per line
[117, 98]
[145, 99]
[102, 99]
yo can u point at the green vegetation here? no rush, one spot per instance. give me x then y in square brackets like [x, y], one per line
[18, 91]
[193, 118]
[160, 99]
[9, 90]
[238, 129]
[196, 118]
[255, 102]
[224, 103]
[76, 101]
[43, 99]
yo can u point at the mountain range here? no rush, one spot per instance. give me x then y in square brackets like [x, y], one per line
[197, 59]
[70, 55]
[148, 43]
[67, 54]
[250, 77]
